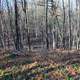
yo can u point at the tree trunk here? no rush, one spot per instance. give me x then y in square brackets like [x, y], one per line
[70, 36]
[18, 36]
[64, 46]
[26, 27]
[47, 41]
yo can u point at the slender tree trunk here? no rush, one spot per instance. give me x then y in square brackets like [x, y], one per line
[53, 31]
[79, 26]
[70, 42]
[1, 26]
[63, 25]
[8, 33]
[26, 27]
[57, 45]
[47, 41]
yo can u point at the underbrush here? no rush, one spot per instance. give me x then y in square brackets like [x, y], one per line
[29, 68]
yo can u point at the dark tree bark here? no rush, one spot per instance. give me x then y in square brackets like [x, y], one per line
[47, 41]
[64, 46]
[18, 43]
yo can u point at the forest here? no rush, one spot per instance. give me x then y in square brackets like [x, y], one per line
[39, 39]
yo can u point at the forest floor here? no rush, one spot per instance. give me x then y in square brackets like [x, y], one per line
[40, 65]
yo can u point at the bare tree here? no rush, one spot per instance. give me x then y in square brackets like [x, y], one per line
[1, 34]
[63, 25]
[47, 41]
[70, 34]
[18, 43]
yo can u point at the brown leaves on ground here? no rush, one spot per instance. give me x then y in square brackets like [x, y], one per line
[29, 66]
